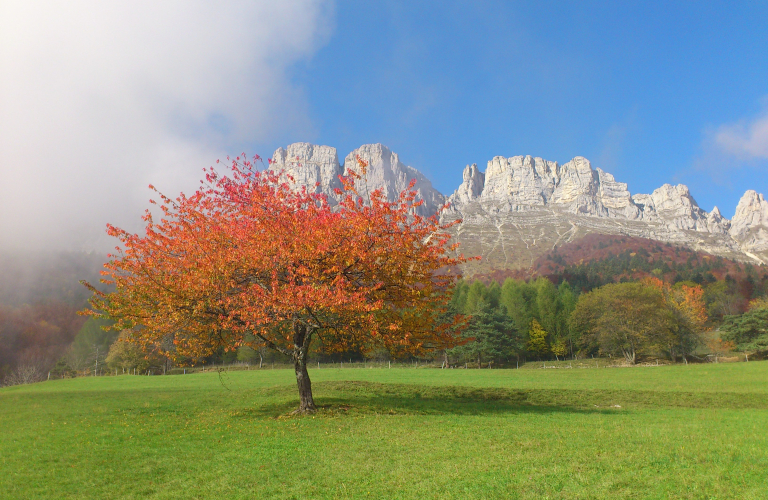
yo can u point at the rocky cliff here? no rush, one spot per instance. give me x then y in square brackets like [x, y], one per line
[313, 165]
[523, 206]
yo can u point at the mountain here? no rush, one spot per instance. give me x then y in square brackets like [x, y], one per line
[523, 207]
[319, 165]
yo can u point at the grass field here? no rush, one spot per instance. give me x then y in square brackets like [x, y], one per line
[696, 431]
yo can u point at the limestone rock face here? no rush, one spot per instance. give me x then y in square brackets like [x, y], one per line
[309, 165]
[749, 225]
[615, 197]
[524, 206]
[716, 223]
[577, 187]
[519, 181]
[386, 171]
[471, 187]
[675, 206]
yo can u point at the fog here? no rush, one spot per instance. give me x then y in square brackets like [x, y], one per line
[100, 99]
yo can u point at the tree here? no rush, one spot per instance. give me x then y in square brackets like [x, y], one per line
[719, 346]
[519, 298]
[91, 345]
[559, 347]
[685, 302]
[624, 318]
[749, 331]
[249, 255]
[723, 299]
[126, 355]
[537, 339]
[491, 334]
[546, 304]
[566, 303]
[476, 296]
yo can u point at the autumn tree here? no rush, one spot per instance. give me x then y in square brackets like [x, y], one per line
[624, 318]
[685, 302]
[250, 256]
[126, 355]
[537, 339]
[719, 347]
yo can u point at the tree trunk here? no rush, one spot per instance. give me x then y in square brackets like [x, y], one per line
[629, 355]
[301, 339]
[306, 403]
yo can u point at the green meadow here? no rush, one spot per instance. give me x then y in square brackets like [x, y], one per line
[696, 431]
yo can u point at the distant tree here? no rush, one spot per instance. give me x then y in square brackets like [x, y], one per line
[519, 299]
[476, 297]
[546, 305]
[458, 301]
[559, 347]
[719, 347]
[566, 303]
[493, 295]
[126, 355]
[749, 331]
[685, 303]
[491, 335]
[250, 354]
[722, 299]
[537, 339]
[91, 345]
[624, 318]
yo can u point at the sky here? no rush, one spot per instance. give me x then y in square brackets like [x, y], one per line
[98, 100]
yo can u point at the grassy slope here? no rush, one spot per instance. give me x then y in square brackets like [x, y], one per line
[680, 432]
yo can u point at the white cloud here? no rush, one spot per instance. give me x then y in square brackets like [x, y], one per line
[747, 139]
[98, 99]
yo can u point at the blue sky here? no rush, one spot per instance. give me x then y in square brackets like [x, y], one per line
[98, 100]
[636, 87]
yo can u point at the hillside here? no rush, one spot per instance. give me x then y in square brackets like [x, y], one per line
[598, 259]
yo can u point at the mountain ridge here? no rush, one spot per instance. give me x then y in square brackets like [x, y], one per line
[523, 206]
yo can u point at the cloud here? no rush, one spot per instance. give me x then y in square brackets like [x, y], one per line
[99, 99]
[747, 139]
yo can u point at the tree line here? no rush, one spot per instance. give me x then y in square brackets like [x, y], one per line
[536, 320]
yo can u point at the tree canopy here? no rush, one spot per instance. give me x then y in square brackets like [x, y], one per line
[250, 259]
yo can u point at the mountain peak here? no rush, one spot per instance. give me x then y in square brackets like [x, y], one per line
[547, 203]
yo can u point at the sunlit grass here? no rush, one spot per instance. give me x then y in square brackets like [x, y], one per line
[666, 432]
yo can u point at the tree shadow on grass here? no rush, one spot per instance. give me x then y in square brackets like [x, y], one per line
[366, 398]
[370, 398]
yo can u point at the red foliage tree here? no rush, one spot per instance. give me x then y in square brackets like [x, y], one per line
[249, 259]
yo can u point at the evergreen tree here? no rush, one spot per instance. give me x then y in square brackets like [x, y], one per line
[749, 331]
[494, 335]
